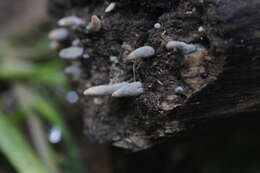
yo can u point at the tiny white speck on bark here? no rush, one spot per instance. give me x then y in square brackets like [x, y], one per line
[157, 26]
[179, 90]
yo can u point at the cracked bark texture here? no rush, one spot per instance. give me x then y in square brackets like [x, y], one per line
[220, 80]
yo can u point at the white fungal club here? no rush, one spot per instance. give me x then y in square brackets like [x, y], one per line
[179, 90]
[142, 52]
[123, 89]
[157, 26]
[129, 90]
[70, 21]
[110, 7]
[184, 47]
[58, 34]
[102, 90]
[71, 53]
[94, 25]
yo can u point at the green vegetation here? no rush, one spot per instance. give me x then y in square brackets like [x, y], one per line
[32, 77]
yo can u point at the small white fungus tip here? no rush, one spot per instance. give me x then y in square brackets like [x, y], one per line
[201, 29]
[157, 26]
[110, 7]
[73, 71]
[130, 90]
[71, 53]
[58, 34]
[72, 97]
[70, 21]
[184, 47]
[142, 52]
[91, 91]
[76, 43]
[104, 90]
[123, 89]
[55, 135]
[179, 90]
[94, 25]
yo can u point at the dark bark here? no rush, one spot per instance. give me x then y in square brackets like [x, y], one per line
[227, 84]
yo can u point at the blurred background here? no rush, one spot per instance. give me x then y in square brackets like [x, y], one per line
[35, 96]
[41, 128]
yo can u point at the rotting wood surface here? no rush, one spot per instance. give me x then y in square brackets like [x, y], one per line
[220, 79]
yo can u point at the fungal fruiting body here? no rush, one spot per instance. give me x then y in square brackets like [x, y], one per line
[142, 52]
[184, 47]
[86, 55]
[94, 25]
[103, 90]
[157, 26]
[55, 135]
[179, 90]
[76, 43]
[70, 21]
[201, 29]
[123, 89]
[110, 7]
[73, 71]
[129, 90]
[71, 53]
[114, 59]
[72, 97]
[59, 34]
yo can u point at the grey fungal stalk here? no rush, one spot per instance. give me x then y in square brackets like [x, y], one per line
[104, 90]
[70, 21]
[184, 47]
[94, 25]
[142, 52]
[129, 90]
[59, 34]
[71, 53]
[110, 7]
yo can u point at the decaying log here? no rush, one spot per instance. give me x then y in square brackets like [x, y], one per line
[221, 78]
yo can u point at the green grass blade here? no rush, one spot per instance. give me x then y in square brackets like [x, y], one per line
[49, 112]
[48, 74]
[18, 152]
